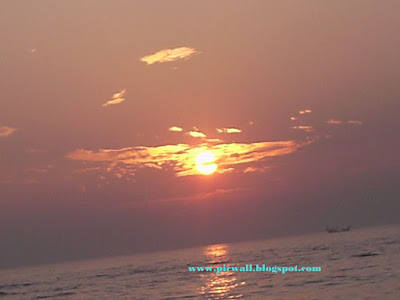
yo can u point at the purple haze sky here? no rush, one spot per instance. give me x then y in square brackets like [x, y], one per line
[105, 105]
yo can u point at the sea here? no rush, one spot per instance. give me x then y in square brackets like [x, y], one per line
[360, 264]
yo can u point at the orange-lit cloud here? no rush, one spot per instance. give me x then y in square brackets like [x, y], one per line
[180, 158]
[168, 55]
[355, 122]
[305, 111]
[253, 169]
[7, 131]
[196, 134]
[116, 98]
[175, 129]
[334, 122]
[339, 122]
[87, 170]
[304, 128]
[212, 141]
[36, 170]
[229, 130]
[299, 113]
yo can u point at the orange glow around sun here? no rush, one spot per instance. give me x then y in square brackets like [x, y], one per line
[205, 163]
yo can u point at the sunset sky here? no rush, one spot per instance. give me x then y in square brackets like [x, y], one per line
[106, 105]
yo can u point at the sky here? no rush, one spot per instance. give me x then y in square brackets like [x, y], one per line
[137, 126]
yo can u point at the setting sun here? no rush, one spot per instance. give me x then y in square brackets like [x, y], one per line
[205, 163]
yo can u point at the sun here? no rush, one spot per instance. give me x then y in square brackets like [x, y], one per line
[205, 163]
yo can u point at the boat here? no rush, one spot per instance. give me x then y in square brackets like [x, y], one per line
[337, 229]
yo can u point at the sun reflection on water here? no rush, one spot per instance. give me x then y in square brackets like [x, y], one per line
[219, 285]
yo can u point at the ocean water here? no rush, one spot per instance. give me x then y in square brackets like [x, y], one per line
[360, 264]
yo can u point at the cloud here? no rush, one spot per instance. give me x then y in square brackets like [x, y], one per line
[305, 111]
[87, 170]
[175, 129]
[299, 113]
[168, 55]
[116, 98]
[253, 169]
[36, 170]
[355, 122]
[339, 122]
[229, 130]
[7, 131]
[36, 151]
[304, 127]
[334, 122]
[213, 140]
[196, 134]
[181, 158]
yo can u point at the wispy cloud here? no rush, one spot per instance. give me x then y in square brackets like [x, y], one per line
[87, 170]
[229, 130]
[334, 122]
[175, 129]
[181, 158]
[355, 122]
[305, 111]
[300, 113]
[211, 141]
[168, 55]
[304, 128]
[196, 134]
[116, 98]
[254, 169]
[36, 170]
[340, 122]
[36, 151]
[7, 131]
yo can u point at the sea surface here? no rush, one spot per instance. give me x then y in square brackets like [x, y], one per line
[359, 264]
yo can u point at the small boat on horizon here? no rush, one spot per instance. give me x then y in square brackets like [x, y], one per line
[337, 229]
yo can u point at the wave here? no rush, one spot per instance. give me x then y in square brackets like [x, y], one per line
[365, 254]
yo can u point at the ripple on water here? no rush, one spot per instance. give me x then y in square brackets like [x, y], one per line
[365, 254]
